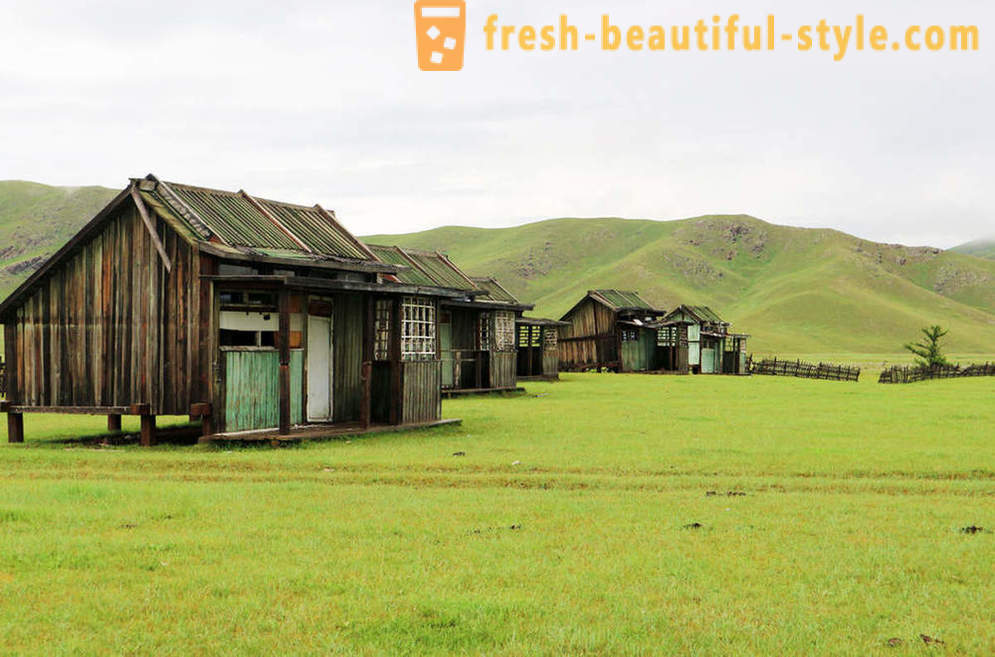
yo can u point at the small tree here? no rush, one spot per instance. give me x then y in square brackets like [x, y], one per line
[928, 352]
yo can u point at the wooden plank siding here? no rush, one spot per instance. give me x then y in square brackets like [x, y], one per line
[252, 389]
[503, 366]
[109, 326]
[422, 391]
[347, 360]
[589, 339]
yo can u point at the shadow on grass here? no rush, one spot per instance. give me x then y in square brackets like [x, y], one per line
[177, 435]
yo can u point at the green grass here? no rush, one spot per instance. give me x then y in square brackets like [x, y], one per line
[562, 531]
[978, 248]
[36, 220]
[794, 289]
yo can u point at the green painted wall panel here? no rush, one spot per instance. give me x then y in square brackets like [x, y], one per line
[253, 389]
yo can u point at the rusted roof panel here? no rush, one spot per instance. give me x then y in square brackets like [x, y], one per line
[494, 290]
[441, 272]
[233, 218]
[391, 255]
[313, 228]
[624, 299]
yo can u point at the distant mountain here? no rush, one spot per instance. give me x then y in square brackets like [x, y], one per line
[978, 248]
[794, 289]
[36, 220]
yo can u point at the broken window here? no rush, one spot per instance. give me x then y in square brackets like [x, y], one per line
[417, 329]
[504, 330]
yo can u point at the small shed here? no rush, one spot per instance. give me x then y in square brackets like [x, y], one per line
[695, 339]
[611, 329]
[476, 328]
[245, 313]
[538, 348]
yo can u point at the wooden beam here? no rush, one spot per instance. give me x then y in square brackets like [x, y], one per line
[15, 428]
[150, 227]
[72, 410]
[114, 422]
[284, 340]
[200, 409]
[148, 435]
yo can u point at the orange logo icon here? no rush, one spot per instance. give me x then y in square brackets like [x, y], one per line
[440, 27]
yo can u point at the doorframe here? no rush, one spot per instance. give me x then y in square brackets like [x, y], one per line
[331, 358]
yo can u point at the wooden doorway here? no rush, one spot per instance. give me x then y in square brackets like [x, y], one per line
[319, 368]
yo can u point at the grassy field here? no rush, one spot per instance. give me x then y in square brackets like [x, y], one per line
[578, 522]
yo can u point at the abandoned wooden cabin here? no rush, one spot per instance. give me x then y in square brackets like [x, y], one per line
[246, 313]
[610, 329]
[477, 339]
[695, 339]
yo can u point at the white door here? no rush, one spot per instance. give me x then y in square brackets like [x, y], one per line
[319, 369]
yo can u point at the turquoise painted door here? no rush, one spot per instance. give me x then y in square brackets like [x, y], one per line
[252, 389]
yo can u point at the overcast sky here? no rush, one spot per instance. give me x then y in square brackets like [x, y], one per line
[323, 102]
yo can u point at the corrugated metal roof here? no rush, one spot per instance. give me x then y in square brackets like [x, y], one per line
[623, 299]
[703, 313]
[494, 290]
[392, 255]
[240, 220]
[436, 266]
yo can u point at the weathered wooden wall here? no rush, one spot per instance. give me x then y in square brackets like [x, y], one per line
[110, 327]
[347, 361]
[640, 355]
[422, 391]
[590, 338]
[503, 369]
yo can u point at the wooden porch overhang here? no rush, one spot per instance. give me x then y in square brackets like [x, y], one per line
[487, 305]
[539, 321]
[317, 262]
[329, 285]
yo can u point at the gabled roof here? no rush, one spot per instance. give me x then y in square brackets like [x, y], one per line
[245, 223]
[231, 225]
[620, 299]
[701, 313]
[426, 267]
[494, 291]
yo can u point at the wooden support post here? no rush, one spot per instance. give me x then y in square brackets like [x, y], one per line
[114, 422]
[15, 428]
[396, 415]
[284, 339]
[148, 436]
[365, 407]
[15, 421]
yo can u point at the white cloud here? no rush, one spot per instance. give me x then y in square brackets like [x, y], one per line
[322, 102]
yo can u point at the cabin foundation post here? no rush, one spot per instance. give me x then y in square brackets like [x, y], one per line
[284, 338]
[113, 422]
[148, 435]
[207, 426]
[15, 428]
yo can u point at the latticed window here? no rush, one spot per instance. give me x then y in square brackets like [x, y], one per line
[523, 335]
[417, 329]
[504, 330]
[549, 339]
[667, 336]
[629, 335]
[484, 331]
[381, 344]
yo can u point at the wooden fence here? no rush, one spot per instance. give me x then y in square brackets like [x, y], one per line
[3, 380]
[914, 373]
[796, 368]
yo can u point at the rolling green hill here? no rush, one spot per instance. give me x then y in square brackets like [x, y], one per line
[794, 289]
[35, 220]
[978, 248]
